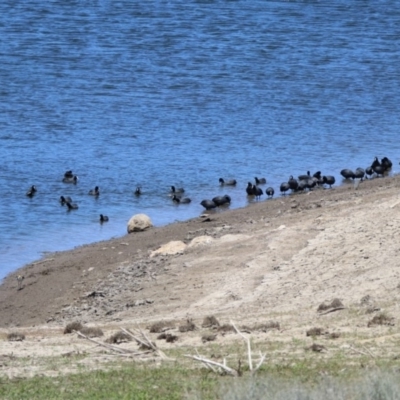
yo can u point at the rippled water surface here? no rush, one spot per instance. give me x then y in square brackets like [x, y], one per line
[161, 93]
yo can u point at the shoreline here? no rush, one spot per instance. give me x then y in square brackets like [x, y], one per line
[62, 278]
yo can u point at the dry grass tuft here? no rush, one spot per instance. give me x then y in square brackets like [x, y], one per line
[161, 326]
[336, 303]
[15, 337]
[210, 322]
[381, 319]
[168, 337]
[266, 326]
[73, 326]
[226, 328]
[314, 332]
[318, 348]
[91, 332]
[119, 337]
[209, 337]
[188, 326]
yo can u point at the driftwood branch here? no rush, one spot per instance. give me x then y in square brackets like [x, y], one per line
[331, 310]
[116, 349]
[146, 342]
[248, 346]
[223, 366]
[210, 363]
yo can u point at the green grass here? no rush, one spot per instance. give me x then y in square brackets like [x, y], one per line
[301, 378]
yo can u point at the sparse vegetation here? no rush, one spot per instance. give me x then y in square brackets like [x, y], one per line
[161, 326]
[73, 326]
[381, 319]
[15, 337]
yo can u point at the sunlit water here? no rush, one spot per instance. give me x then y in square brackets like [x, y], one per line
[162, 93]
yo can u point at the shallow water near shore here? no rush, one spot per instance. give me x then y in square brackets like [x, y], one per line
[182, 93]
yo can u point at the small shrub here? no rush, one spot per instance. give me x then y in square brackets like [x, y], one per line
[335, 303]
[118, 338]
[381, 319]
[91, 331]
[73, 326]
[209, 337]
[15, 337]
[210, 322]
[161, 326]
[226, 328]
[168, 337]
[189, 326]
[314, 332]
[267, 326]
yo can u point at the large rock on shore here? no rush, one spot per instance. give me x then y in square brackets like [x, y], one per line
[139, 222]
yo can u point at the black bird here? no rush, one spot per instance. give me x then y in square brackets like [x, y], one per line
[257, 192]
[70, 179]
[260, 181]
[359, 173]
[379, 169]
[177, 190]
[208, 204]
[304, 177]
[230, 182]
[317, 175]
[369, 171]
[95, 191]
[138, 191]
[347, 173]
[386, 163]
[71, 206]
[103, 218]
[179, 200]
[375, 163]
[68, 174]
[269, 191]
[284, 187]
[249, 189]
[302, 185]
[31, 192]
[328, 180]
[64, 200]
[221, 200]
[293, 184]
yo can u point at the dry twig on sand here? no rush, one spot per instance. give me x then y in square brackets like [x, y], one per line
[223, 368]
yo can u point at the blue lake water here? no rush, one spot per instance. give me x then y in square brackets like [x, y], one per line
[161, 93]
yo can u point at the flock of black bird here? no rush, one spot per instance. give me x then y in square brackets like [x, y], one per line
[301, 184]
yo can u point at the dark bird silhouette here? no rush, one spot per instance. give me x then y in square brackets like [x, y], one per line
[71, 206]
[138, 191]
[328, 180]
[103, 218]
[260, 181]
[221, 200]
[31, 192]
[64, 200]
[359, 173]
[293, 184]
[386, 163]
[347, 173]
[304, 177]
[230, 182]
[249, 189]
[95, 191]
[269, 191]
[208, 204]
[257, 192]
[177, 190]
[68, 174]
[284, 187]
[369, 171]
[70, 179]
[178, 200]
